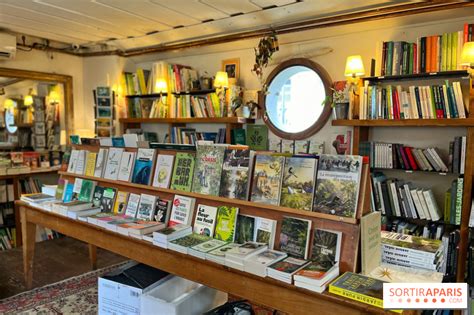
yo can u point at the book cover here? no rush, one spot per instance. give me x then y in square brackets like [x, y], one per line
[61, 188]
[326, 248]
[100, 162]
[132, 205]
[71, 167]
[90, 163]
[163, 171]
[121, 202]
[182, 210]
[108, 199]
[68, 192]
[235, 174]
[207, 173]
[146, 207]
[205, 220]
[183, 172]
[221, 251]
[294, 237]
[87, 190]
[77, 188]
[113, 163]
[97, 196]
[226, 223]
[337, 185]
[288, 265]
[265, 230]
[245, 229]
[162, 211]
[267, 176]
[143, 166]
[257, 137]
[209, 245]
[297, 187]
[81, 162]
[190, 240]
[126, 166]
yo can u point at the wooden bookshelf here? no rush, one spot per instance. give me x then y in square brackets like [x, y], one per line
[420, 76]
[229, 122]
[158, 95]
[458, 122]
[264, 291]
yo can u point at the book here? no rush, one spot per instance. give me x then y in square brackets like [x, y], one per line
[81, 162]
[257, 137]
[337, 185]
[105, 198]
[97, 196]
[101, 160]
[139, 227]
[71, 168]
[218, 255]
[163, 171]
[265, 231]
[315, 275]
[182, 210]
[205, 220]
[267, 177]
[60, 189]
[236, 170]
[183, 172]
[170, 233]
[132, 205]
[200, 250]
[121, 202]
[126, 166]
[113, 163]
[294, 237]
[87, 190]
[36, 197]
[90, 163]
[146, 207]
[162, 211]
[236, 256]
[208, 168]
[285, 269]
[359, 288]
[326, 248]
[225, 223]
[297, 189]
[143, 166]
[183, 244]
[245, 229]
[257, 264]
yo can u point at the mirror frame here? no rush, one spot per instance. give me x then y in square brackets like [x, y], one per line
[66, 80]
[323, 118]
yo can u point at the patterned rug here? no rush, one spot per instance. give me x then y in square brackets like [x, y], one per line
[76, 295]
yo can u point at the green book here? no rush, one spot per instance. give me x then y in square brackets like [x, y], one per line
[182, 178]
[87, 190]
[245, 230]
[447, 206]
[226, 223]
[449, 46]
[257, 137]
[454, 51]
[294, 237]
[410, 58]
[459, 192]
[60, 188]
[389, 58]
[238, 136]
[444, 50]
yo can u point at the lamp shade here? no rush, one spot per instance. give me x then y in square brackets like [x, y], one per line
[28, 100]
[160, 86]
[9, 103]
[467, 55]
[221, 80]
[354, 66]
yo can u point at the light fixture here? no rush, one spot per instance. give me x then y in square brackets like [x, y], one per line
[221, 83]
[9, 104]
[28, 99]
[161, 87]
[354, 66]
[467, 55]
[53, 97]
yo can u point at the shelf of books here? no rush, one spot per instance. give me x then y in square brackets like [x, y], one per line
[419, 98]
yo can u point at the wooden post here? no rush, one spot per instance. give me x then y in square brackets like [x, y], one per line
[93, 256]
[17, 196]
[29, 241]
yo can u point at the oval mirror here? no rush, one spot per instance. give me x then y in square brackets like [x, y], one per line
[296, 91]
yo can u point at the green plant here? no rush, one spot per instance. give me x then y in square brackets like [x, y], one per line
[337, 97]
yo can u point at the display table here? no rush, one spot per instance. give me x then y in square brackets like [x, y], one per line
[264, 291]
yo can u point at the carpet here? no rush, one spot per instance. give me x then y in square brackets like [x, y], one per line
[76, 295]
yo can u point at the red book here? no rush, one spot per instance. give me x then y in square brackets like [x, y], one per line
[396, 103]
[415, 58]
[411, 159]
[404, 157]
[466, 33]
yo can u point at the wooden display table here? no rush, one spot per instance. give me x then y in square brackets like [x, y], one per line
[264, 291]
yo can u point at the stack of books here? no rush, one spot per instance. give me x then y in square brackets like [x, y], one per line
[257, 264]
[235, 257]
[285, 269]
[166, 235]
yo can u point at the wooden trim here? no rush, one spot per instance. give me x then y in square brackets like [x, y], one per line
[323, 118]
[67, 82]
[265, 291]
[207, 120]
[457, 122]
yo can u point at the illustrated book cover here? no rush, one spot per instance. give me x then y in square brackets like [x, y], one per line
[163, 171]
[126, 166]
[294, 237]
[143, 166]
[226, 223]
[205, 220]
[183, 172]
[182, 210]
[236, 172]
[113, 163]
[208, 169]
[266, 184]
[146, 207]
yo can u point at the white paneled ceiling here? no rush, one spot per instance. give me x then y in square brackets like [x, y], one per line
[130, 24]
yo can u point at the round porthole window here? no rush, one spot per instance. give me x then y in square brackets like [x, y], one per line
[297, 89]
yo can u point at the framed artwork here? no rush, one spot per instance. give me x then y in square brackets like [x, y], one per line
[232, 67]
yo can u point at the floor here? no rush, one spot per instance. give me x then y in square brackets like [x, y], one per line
[55, 260]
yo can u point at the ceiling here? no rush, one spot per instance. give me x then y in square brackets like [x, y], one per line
[104, 25]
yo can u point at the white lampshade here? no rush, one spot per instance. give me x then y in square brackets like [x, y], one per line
[9, 104]
[467, 55]
[160, 86]
[221, 80]
[28, 100]
[354, 66]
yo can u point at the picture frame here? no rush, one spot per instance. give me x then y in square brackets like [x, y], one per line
[232, 67]
[40, 128]
[104, 112]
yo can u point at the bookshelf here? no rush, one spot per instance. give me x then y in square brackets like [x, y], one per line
[229, 122]
[361, 130]
[158, 95]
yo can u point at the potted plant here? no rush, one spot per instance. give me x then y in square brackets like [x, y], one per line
[339, 101]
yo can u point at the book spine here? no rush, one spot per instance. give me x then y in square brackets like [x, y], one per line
[388, 71]
[383, 62]
[356, 296]
[422, 55]
[459, 192]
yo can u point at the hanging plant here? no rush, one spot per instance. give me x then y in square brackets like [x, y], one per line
[263, 53]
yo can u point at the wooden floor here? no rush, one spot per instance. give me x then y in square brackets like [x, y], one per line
[55, 260]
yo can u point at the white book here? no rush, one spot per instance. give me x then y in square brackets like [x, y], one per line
[459, 99]
[146, 207]
[265, 229]
[462, 159]
[76, 189]
[445, 97]
[432, 205]
[163, 171]
[411, 204]
[105, 142]
[182, 210]
[100, 162]
[413, 105]
[132, 205]
[416, 200]
[113, 163]
[84, 213]
[81, 162]
[126, 166]
[257, 264]
[205, 221]
[393, 187]
[71, 168]
[438, 159]
[130, 140]
[421, 197]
